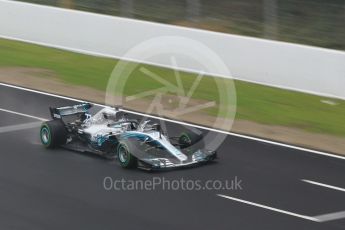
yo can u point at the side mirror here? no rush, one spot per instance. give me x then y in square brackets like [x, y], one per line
[157, 127]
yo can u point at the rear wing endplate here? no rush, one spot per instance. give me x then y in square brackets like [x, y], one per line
[58, 113]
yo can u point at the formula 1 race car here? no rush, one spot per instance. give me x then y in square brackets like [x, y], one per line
[110, 134]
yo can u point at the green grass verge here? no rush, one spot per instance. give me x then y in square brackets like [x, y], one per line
[255, 102]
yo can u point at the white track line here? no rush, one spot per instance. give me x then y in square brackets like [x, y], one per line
[188, 124]
[331, 216]
[270, 208]
[23, 114]
[324, 185]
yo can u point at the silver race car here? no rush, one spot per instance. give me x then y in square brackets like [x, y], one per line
[111, 133]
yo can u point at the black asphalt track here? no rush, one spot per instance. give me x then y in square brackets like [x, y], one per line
[60, 189]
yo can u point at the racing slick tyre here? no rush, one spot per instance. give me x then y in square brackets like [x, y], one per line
[126, 159]
[53, 134]
[187, 139]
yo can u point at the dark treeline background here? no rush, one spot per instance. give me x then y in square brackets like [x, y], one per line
[311, 22]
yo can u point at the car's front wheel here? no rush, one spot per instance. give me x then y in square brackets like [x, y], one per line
[126, 159]
[188, 139]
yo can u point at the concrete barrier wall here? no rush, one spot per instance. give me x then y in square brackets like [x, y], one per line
[297, 67]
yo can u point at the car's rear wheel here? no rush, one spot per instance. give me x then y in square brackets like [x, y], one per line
[53, 134]
[126, 159]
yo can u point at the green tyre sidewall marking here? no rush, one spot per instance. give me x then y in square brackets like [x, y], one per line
[45, 127]
[124, 164]
[187, 137]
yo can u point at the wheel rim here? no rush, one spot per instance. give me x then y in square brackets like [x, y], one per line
[45, 135]
[123, 154]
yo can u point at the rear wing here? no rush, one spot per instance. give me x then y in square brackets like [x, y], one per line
[58, 113]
